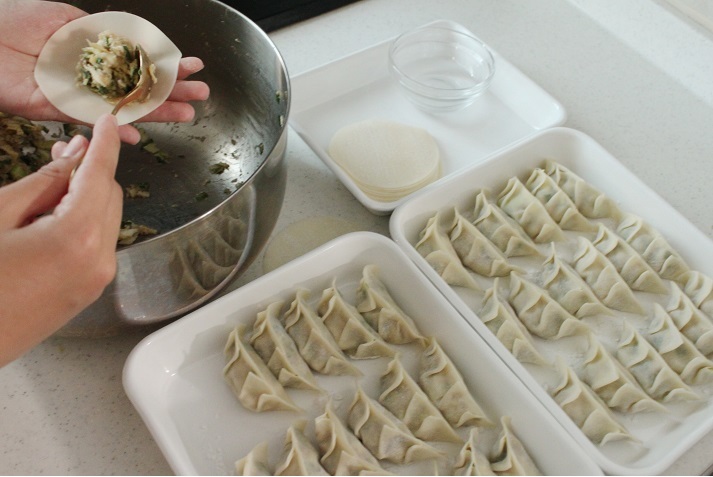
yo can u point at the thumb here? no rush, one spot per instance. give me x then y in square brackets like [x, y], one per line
[37, 193]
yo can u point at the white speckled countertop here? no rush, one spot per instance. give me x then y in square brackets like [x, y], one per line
[634, 75]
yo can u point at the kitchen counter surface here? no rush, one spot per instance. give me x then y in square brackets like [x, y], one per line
[635, 75]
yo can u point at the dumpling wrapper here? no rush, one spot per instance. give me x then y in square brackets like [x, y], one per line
[56, 72]
[386, 159]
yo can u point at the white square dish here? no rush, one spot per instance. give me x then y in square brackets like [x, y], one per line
[174, 376]
[664, 437]
[358, 87]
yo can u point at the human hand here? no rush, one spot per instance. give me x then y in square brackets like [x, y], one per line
[25, 27]
[58, 239]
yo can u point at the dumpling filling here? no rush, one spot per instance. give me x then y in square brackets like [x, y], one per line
[110, 66]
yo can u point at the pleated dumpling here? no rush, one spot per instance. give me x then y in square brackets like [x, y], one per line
[383, 434]
[475, 251]
[541, 314]
[653, 247]
[691, 321]
[650, 370]
[591, 202]
[699, 288]
[436, 248]
[603, 278]
[379, 309]
[250, 379]
[568, 288]
[521, 205]
[472, 459]
[299, 456]
[677, 350]
[255, 462]
[401, 395]
[511, 457]
[272, 343]
[611, 382]
[352, 333]
[632, 267]
[444, 385]
[587, 411]
[342, 452]
[501, 320]
[557, 202]
[502, 229]
[314, 341]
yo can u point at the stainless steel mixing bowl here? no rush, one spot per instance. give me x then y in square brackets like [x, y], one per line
[211, 226]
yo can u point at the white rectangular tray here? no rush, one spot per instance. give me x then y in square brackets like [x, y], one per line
[174, 376]
[665, 438]
[358, 87]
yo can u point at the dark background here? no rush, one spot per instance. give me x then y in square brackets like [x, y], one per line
[273, 14]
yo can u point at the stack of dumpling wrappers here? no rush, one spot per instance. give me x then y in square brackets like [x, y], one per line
[385, 159]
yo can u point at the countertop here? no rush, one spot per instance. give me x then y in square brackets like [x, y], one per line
[634, 75]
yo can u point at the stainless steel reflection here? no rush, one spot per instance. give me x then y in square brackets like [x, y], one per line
[211, 224]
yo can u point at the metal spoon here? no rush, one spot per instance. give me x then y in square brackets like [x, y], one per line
[143, 87]
[139, 93]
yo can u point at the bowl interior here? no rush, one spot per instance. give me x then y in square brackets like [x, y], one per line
[238, 126]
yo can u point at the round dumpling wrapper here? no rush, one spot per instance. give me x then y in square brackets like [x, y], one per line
[56, 72]
[386, 158]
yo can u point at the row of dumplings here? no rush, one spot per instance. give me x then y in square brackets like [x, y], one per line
[557, 251]
[283, 350]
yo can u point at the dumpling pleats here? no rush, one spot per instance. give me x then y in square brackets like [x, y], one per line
[611, 382]
[511, 457]
[521, 205]
[699, 288]
[475, 250]
[500, 319]
[255, 463]
[278, 351]
[650, 370]
[632, 267]
[691, 321]
[653, 247]
[401, 395]
[541, 314]
[342, 452]
[472, 460]
[250, 378]
[299, 456]
[382, 313]
[557, 202]
[590, 201]
[436, 248]
[569, 289]
[501, 229]
[350, 330]
[677, 350]
[586, 410]
[604, 280]
[384, 435]
[314, 341]
[444, 385]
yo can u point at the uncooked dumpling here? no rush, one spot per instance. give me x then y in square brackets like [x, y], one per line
[386, 159]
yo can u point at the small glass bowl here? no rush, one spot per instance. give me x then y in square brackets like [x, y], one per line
[441, 69]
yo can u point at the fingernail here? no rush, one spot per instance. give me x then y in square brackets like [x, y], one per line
[74, 148]
[111, 118]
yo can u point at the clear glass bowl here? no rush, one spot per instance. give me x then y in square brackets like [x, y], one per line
[441, 69]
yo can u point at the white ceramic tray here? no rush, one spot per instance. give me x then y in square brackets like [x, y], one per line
[359, 87]
[174, 376]
[665, 437]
